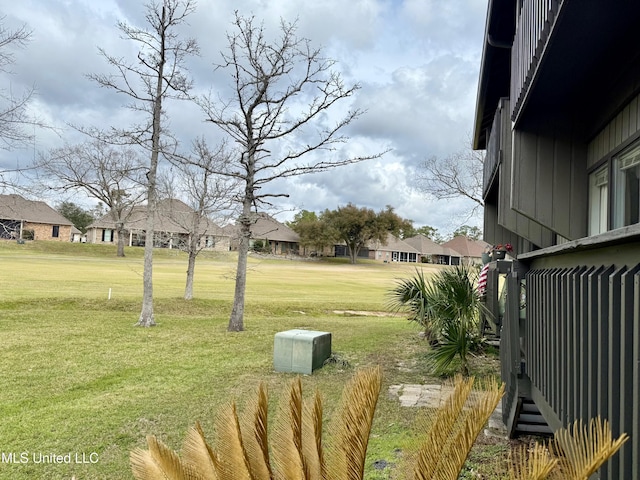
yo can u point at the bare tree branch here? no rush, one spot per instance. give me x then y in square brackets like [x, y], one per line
[156, 76]
[16, 123]
[275, 118]
[455, 176]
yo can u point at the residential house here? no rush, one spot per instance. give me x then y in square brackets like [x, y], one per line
[22, 219]
[172, 224]
[558, 112]
[393, 250]
[470, 250]
[267, 231]
[432, 252]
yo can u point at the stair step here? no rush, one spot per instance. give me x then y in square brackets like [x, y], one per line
[531, 418]
[530, 421]
[533, 429]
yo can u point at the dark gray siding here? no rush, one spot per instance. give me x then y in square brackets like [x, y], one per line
[619, 130]
[550, 182]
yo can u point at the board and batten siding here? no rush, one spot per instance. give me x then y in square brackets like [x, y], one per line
[549, 182]
[623, 127]
[508, 217]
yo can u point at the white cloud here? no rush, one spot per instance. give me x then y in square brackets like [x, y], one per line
[416, 61]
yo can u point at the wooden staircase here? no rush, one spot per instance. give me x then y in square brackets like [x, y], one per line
[529, 420]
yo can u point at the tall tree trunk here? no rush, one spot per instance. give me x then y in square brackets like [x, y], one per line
[191, 267]
[146, 315]
[236, 321]
[353, 253]
[120, 231]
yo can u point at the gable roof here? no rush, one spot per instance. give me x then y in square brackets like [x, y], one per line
[15, 207]
[269, 228]
[467, 247]
[394, 244]
[426, 246]
[171, 216]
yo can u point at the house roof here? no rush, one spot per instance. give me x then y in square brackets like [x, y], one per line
[426, 246]
[467, 247]
[270, 229]
[172, 216]
[15, 207]
[394, 244]
[494, 67]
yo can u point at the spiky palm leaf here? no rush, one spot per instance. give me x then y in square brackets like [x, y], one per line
[441, 423]
[197, 453]
[312, 446]
[160, 462]
[233, 464]
[352, 426]
[584, 449]
[254, 434]
[287, 445]
[478, 409]
[531, 462]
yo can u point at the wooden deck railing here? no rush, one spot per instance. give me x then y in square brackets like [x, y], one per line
[493, 154]
[534, 21]
[578, 351]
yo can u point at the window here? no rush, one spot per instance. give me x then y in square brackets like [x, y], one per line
[598, 200]
[626, 188]
[55, 232]
[614, 192]
[107, 235]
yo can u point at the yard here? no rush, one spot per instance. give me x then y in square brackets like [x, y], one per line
[81, 387]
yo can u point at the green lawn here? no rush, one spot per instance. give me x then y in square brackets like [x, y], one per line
[79, 378]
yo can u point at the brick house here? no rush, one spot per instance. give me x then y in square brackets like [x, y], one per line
[22, 219]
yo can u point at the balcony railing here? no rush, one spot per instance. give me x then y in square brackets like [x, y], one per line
[533, 25]
[493, 155]
[576, 353]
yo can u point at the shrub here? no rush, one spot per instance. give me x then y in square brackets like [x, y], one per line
[448, 307]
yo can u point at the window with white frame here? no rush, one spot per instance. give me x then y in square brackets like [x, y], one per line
[626, 188]
[614, 192]
[598, 200]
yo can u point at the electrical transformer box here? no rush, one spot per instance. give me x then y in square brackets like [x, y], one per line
[300, 351]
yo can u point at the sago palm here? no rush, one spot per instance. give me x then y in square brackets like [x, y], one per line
[242, 450]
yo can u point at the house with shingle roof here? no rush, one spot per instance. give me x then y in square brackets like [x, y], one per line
[22, 219]
[394, 250]
[470, 250]
[281, 240]
[173, 223]
[432, 252]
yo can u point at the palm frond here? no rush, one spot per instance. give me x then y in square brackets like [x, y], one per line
[159, 462]
[233, 463]
[197, 452]
[287, 435]
[584, 449]
[531, 462]
[441, 427]
[312, 447]
[350, 435]
[254, 434]
[478, 410]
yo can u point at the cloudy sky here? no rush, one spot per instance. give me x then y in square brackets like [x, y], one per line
[416, 62]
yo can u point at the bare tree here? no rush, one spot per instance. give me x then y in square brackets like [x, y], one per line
[210, 197]
[110, 174]
[16, 123]
[281, 91]
[457, 175]
[156, 76]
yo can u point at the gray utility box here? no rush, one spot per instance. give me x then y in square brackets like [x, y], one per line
[300, 351]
